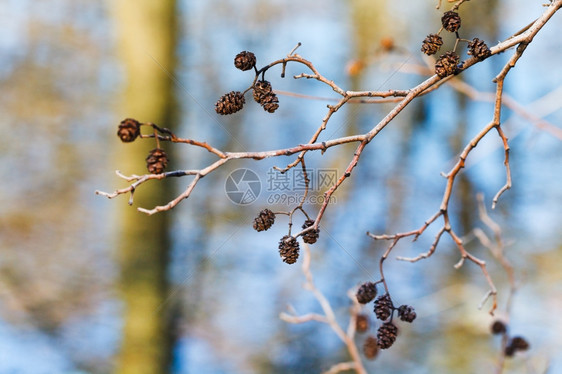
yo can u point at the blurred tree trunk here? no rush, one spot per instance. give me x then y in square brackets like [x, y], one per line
[147, 39]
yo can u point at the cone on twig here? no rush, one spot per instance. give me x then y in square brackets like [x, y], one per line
[270, 102]
[245, 60]
[230, 103]
[406, 313]
[431, 44]
[447, 64]
[370, 347]
[261, 88]
[361, 323]
[264, 220]
[129, 130]
[498, 327]
[383, 307]
[386, 335]
[156, 161]
[451, 21]
[479, 49]
[366, 292]
[520, 343]
[311, 236]
[289, 249]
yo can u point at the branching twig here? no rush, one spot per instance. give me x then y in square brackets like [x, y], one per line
[402, 99]
[522, 39]
[328, 318]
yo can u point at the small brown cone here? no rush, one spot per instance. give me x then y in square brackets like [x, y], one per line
[479, 49]
[289, 249]
[406, 313]
[270, 102]
[230, 103]
[311, 236]
[261, 88]
[447, 64]
[264, 220]
[520, 343]
[431, 44]
[156, 161]
[451, 21]
[366, 292]
[386, 335]
[129, 130]
[370, 347]
[361, 323]
[245, 60]
[498, 327]
[383, 307]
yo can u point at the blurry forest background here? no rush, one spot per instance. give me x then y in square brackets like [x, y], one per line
[89, 285]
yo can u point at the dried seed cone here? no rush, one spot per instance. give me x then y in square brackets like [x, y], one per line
[261, 88]
[447, 64]
[520, 343]
[264, 220]
[311, 236]
[230, 103]
[269, 102]
[370, 347]
[289, 249]
[431, 44]
[156, 161]
[407, 313]
[451, 21]
[383, 307]
[361, 323]
[366, 292]
[498, 327]
[479, 49]
[129, 130]
[245, 60]
[386, 335]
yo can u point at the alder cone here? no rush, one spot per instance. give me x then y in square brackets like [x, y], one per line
[245, 60]
[289, 249]
[406, 313]
[264, 220]
[479, 49]
[129, 130]
[520, 343]
[366, 292]
[498, 327]
[447, 64]
[156, 161]
[270, 102]
[383, 307]
[386, 335]
[261, 88]
[370, 347]
[451, 21]
[431, 44]
[361, 323]
[311, 236]
[230, 103]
